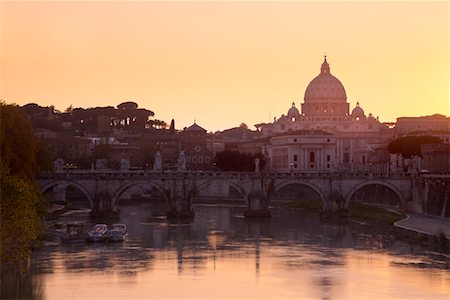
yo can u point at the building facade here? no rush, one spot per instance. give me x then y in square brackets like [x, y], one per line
[325, 112]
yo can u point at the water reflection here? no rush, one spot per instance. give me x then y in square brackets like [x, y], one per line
[221, 255]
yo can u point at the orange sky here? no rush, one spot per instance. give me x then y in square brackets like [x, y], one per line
[223, 63]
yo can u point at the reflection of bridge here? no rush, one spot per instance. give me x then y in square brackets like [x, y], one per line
[104, 189]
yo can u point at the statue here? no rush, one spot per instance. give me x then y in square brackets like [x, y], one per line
[257, 170]
[59, 165]
[182, 160]
[100, 164]
[124, 164]
[157, 165]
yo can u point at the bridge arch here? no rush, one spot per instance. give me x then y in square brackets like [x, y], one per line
[126, 186]
[85, 191]
[316, 189]
[393, 188]
[204, 185]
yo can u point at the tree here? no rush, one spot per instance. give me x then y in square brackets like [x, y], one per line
[18, 145]
[229, 160]
[409, 146]
[21, 201]
[102, 151]
[21, 211]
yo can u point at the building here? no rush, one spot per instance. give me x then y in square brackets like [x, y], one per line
[325, 110]
[425, 124]
[436, 157]
[302, 151]
[194, 142]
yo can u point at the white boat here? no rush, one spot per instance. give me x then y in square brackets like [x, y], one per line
[97, 233]
[117, 233]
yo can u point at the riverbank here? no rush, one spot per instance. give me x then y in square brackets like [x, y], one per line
[428, 232]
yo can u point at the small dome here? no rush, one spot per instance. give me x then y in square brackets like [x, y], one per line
[358, 111]
[293, 111]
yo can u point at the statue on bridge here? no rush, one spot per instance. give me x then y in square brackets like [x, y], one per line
[257, 167]
[59, 165]
[101, 164]
[157, 165]
[182, 160]
[124, 164]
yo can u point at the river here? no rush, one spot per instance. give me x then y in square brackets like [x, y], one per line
[221, 255]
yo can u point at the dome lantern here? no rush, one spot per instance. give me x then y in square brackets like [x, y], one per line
[325, 69]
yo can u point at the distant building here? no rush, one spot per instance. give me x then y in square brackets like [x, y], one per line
[194, 142]
[434, 123]
[248, 146]
[302, 151]
[436, 157]
[325, 109]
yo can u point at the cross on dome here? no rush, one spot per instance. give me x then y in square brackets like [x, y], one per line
[325, 69]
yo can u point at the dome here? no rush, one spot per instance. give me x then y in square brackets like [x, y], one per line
[325, 87]
[358, 111]
[293, 111]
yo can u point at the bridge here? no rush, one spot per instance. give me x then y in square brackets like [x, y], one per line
[105, 188]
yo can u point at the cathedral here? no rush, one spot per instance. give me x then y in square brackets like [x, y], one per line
[324, 135]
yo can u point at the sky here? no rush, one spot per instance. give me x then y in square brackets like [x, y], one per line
[224, 63]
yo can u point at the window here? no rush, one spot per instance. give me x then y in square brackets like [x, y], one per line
[194, 159]
[328, 157]
[311, 156]
[295, 140]
[295, 166]
[363, 159]
[200, 159]
[328, 166]
[295, 157]
[346, 158]
[207, 159]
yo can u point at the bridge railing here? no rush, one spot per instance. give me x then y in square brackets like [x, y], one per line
[111, 174]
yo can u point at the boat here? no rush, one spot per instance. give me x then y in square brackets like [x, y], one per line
[97, 233]
[117, 233]
[58, 232]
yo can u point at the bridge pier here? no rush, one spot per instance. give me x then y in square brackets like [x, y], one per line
[180, 200]
[103, 205]
[180, 208]
[257, 207]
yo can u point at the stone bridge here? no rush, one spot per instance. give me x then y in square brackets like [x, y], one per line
[104, 189]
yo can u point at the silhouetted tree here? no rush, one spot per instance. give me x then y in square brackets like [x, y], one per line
[18, 145]
[229, 160]
[21, 200]
[409, 146]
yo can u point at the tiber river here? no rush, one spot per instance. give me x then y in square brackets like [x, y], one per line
[221, 255]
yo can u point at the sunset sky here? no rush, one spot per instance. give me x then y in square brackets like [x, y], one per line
[223, 63]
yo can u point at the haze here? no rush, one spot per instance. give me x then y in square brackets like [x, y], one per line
[223, 63]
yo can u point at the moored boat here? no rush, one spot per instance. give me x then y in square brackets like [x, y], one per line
[97, 233]
[117, 233]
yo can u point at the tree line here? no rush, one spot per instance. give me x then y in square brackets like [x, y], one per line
[22, 204]
[126, 115]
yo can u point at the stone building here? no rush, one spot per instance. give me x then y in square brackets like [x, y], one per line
[436, 157]
[325, 109]
[302, 151]
[194, 142]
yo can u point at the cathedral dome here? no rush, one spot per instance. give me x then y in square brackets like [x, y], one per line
[293, 111]
[325, 87]
[358, 111]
